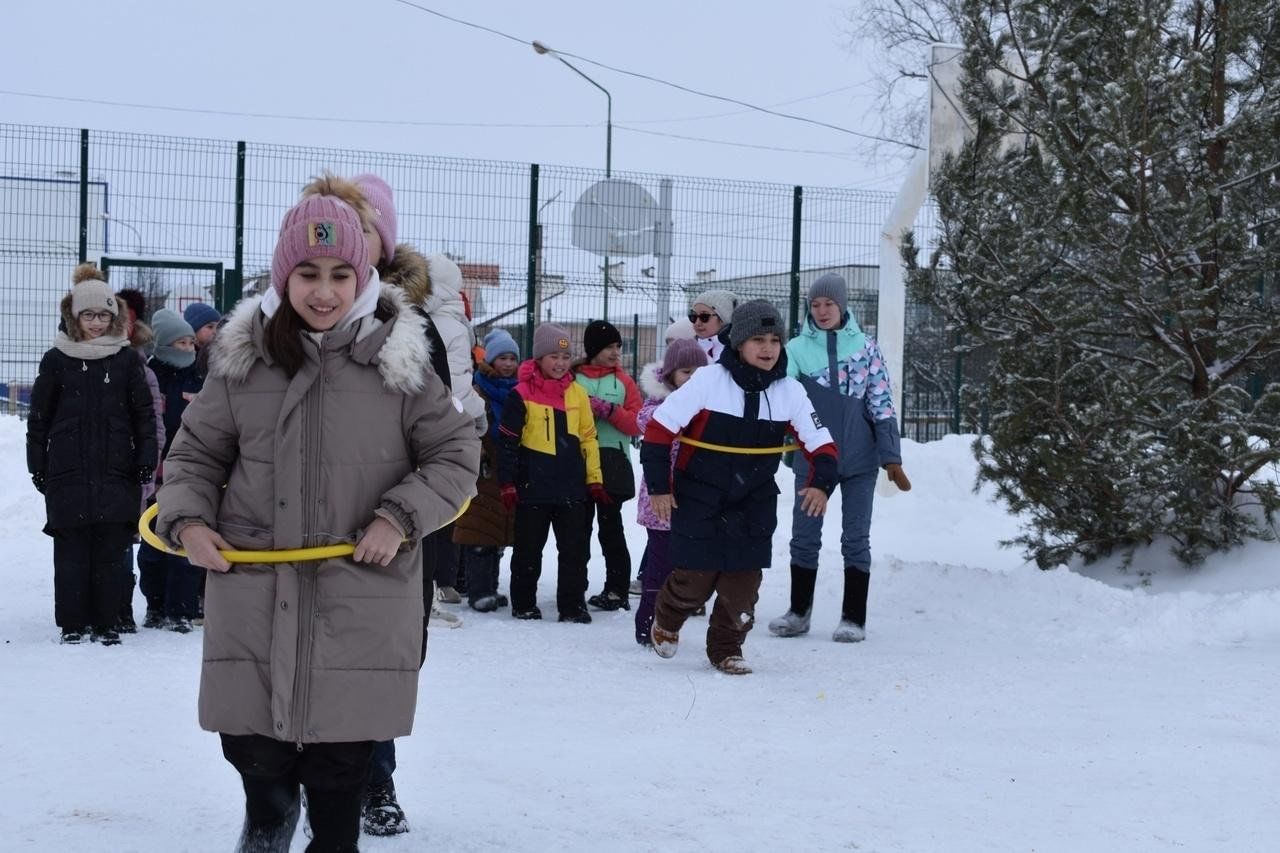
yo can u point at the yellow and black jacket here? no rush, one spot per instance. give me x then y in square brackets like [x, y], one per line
[547, 445]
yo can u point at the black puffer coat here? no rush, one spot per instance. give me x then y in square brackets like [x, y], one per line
[91, 426]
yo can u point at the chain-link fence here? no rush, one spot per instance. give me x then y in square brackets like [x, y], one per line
[195, 219]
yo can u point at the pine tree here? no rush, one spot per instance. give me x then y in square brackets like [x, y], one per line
[1111, 232]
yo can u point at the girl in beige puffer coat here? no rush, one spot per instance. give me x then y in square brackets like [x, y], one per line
[320, 422]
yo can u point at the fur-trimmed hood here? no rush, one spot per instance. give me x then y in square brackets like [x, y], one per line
[652, 387]
[431, 282]
[72, 326]
[408, 271]
[398, 346]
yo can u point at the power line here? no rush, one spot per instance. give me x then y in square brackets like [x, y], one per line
[661, 82]
[731, 113]
[841, 154]
[287, 117]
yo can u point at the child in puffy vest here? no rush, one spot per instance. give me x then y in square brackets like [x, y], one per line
[658, 380]
[615, 402]
[722, 504]
[487, 527]
[549, 467]
[845, 376]
[91, 445]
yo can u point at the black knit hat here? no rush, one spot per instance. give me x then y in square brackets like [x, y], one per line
[598, 335]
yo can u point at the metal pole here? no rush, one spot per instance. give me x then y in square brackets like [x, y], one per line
[543, 50]
[797, 200]
[662, 250]
[535, 250]
[84, 194]
[233, 284]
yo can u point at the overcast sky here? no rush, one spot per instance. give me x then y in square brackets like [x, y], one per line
[382, 60]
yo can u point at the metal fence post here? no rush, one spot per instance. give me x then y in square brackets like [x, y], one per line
[233, 287]
[535, 247]
[956, 385]
[796, 203]
[84, 194]
[635, 345]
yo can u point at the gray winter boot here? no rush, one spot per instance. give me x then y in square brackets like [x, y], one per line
[790, 624]
[849, 631]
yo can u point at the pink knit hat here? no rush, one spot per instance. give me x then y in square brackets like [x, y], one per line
[383, 202]
[320, 226]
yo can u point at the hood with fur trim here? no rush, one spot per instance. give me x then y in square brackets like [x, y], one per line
[408, 271]
[446, 289]
[72, 327]
[402, 357]
[650, 384]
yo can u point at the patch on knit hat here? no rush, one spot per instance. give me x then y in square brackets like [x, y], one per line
[322, 234]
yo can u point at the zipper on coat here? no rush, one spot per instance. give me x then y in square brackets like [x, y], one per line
[546, 419]
[311, 421]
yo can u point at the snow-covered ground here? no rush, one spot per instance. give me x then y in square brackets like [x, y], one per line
[993, 707]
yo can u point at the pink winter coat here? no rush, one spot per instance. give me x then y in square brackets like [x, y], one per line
[655, 392]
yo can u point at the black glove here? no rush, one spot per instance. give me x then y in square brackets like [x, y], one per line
[37, 479]
[145, 473]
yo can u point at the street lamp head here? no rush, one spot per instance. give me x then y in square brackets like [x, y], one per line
[540, 48]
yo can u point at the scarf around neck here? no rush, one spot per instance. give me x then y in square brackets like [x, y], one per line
[98, 348]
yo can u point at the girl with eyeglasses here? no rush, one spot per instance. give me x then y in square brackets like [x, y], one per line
[91, 446]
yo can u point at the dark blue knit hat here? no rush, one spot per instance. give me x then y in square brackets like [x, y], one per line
[198, 314]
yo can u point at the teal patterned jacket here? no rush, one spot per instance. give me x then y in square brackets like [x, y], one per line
[848, 382]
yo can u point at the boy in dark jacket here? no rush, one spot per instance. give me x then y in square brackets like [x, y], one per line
[91, 445]
[548, 466]
[723, 503]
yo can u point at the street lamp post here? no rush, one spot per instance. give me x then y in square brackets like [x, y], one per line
[542, 50]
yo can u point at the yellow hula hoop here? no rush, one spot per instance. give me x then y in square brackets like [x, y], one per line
[748, 451]
[293, 555]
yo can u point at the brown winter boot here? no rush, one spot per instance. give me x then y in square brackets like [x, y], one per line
[733, 665]
[665, 643]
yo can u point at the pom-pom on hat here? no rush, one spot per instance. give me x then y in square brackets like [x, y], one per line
[754, 318]
[598, 335]
[549, 338]
[383, 201]
[320, 226]
[831, 286]
[681, 353]
[199, 314]
[499, 342]
[168, 326]
[90, 291]
[720, 301]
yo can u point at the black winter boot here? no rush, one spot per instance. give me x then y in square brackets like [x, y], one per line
[795, 622]
[381, 813]
[853, 611]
